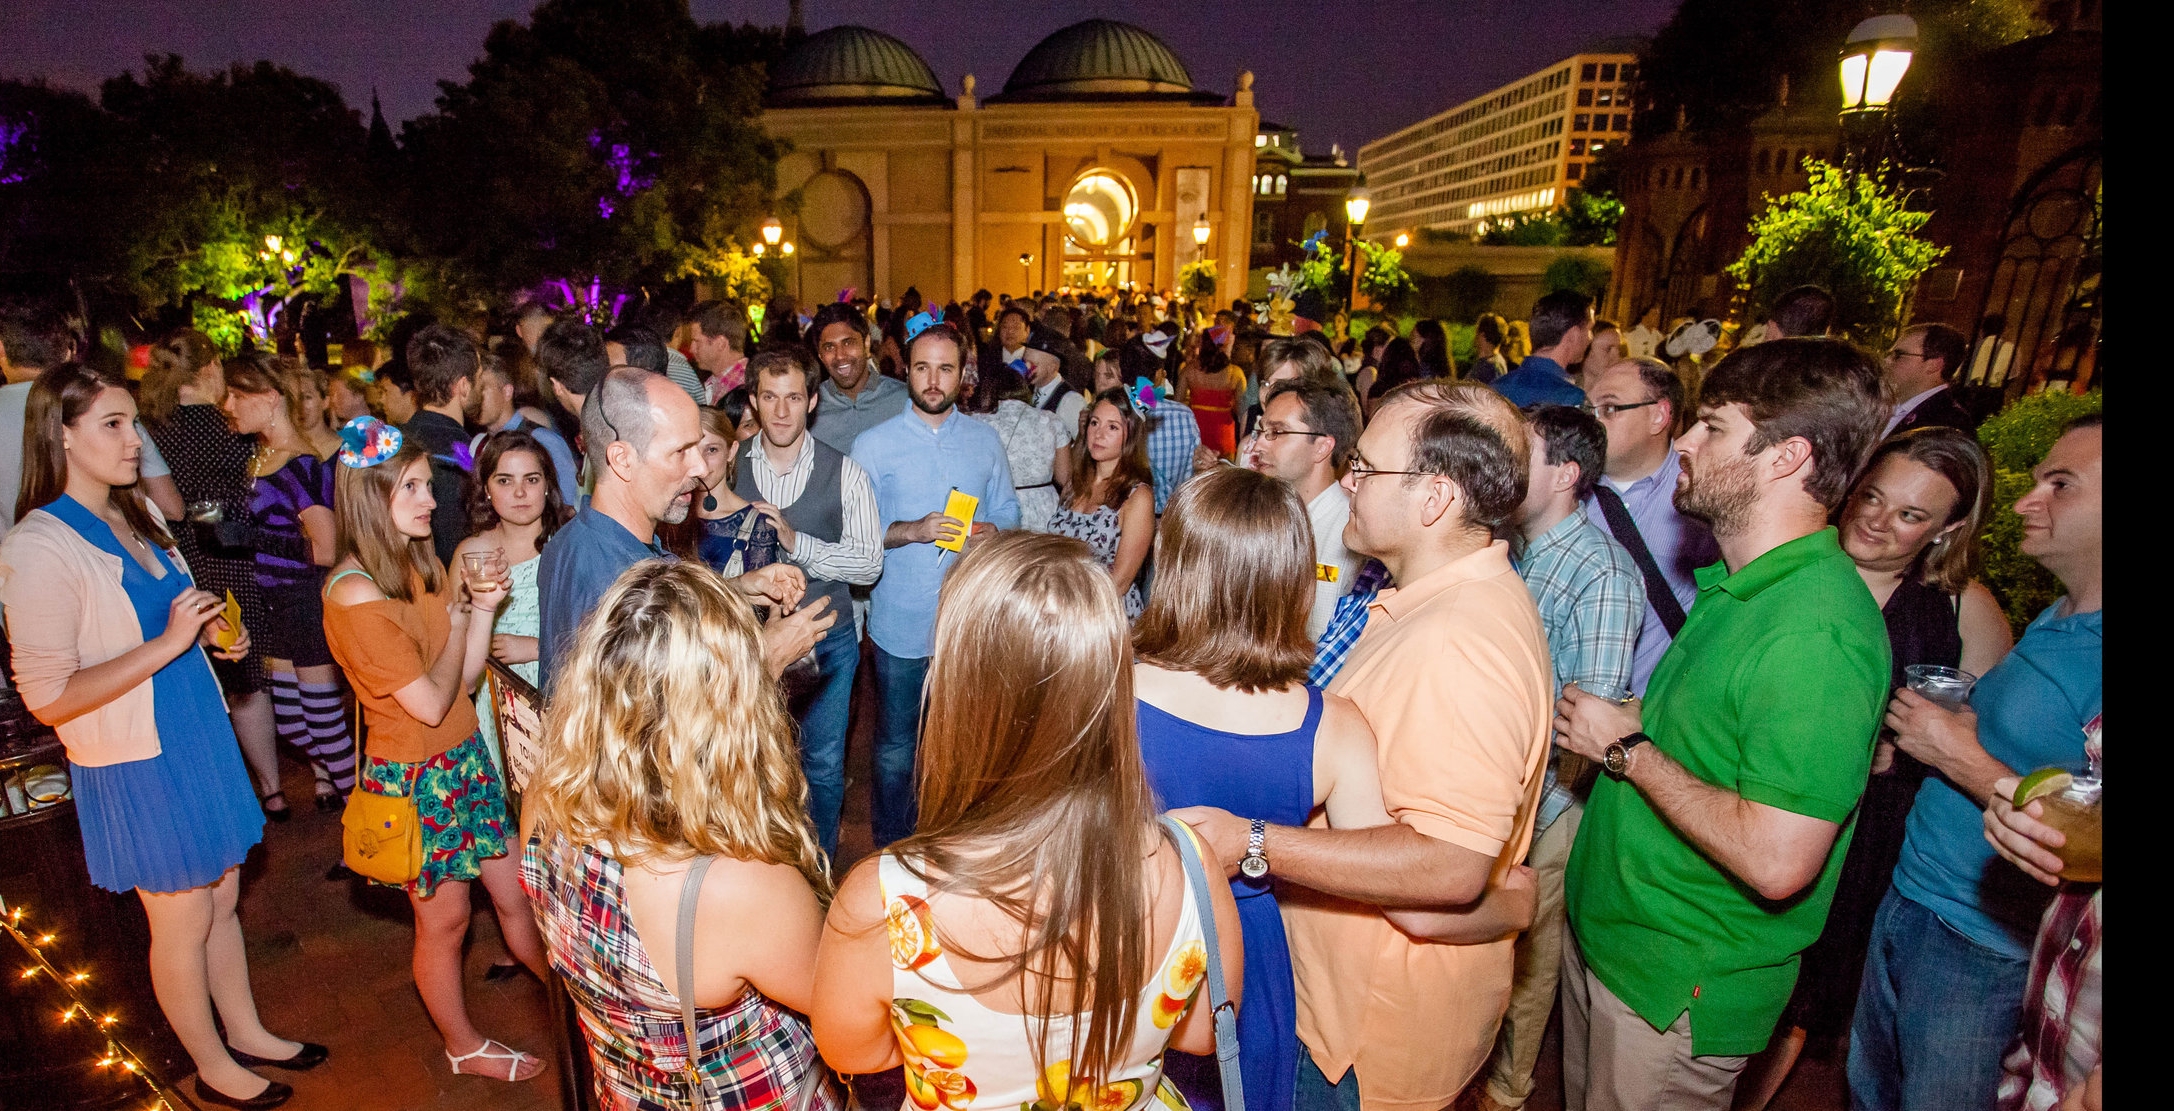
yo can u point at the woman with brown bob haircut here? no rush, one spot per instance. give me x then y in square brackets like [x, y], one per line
[1227, 720]
[1036, 941]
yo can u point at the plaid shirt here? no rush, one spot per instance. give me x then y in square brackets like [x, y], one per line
[754, 1054]
[1592, 602]
[1172, 434]
[1349, 621]
[2059, 1042]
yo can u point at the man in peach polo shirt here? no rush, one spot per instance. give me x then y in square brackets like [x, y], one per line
[1452, 674]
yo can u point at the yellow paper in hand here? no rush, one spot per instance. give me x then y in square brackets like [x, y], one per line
[961, 509]
[232, 612]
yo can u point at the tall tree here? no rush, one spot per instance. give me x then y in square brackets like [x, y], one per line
[251, 190]
[603, 139]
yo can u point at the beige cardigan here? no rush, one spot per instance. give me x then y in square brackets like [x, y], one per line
[66, 611]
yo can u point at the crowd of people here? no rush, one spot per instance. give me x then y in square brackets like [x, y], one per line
[1562, 678]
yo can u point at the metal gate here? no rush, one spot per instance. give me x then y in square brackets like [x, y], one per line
[2039, 326]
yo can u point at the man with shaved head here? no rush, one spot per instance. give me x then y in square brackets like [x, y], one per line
[644, 435]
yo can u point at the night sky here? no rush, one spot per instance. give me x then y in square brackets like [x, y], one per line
[1338, 72]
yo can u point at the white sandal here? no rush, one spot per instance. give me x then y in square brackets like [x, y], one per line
[512, 1057]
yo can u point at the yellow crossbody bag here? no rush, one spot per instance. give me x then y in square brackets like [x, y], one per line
[380, 836]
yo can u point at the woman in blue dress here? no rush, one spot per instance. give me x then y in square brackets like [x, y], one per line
[106, 625]
[1223, 640]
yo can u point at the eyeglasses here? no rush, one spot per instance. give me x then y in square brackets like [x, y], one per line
[1606, 411]
[1360, 470]
[1270, 432]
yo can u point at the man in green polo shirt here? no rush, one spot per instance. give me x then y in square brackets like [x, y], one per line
[1710, 850]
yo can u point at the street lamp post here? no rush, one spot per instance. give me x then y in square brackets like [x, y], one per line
[1874, 59]
[1356, 203]
[1026, 273]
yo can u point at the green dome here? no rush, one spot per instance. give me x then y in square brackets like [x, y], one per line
[1096, 57]
[853, 64]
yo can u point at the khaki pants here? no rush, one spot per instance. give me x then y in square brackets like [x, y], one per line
[1614, 1061]
[1539, 965]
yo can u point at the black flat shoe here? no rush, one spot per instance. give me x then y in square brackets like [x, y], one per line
[338, 872]
[309, 1056]
[274, 1094]
[331, 802]
[282, 814]
[498, 972]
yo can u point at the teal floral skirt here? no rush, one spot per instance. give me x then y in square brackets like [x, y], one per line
[459, 805]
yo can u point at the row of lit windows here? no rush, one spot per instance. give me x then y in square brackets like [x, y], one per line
[1526, 157]
[1547, 83]
[1456, 144]
[1603, 97]
[1553, 125]
[1262, 184]
[1540, 175]
[1600, 122]
[1588, 146]
[1608, 71]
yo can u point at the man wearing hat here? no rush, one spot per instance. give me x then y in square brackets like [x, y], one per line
[1044, 356]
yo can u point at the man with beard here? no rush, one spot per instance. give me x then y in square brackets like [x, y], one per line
[854, 398]
[645, 435]
[1710, 850]
[915, 460]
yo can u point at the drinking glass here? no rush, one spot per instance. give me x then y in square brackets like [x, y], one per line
[1948, 686]
[2077, 812]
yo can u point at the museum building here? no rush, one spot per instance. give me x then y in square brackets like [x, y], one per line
[1097, 164]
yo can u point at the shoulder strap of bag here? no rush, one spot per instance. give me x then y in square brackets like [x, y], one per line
[690, 895]
[1224, 1015]
[1625, 530]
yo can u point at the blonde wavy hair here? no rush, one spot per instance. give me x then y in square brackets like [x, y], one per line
[668, 739]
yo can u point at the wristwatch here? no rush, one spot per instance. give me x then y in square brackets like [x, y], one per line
[1255, 863]
[1617, 758]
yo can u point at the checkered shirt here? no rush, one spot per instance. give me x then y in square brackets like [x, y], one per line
[2058, 1044]
[1592, 602]
[755, 1055]
[1172, 434]
[1348, 622]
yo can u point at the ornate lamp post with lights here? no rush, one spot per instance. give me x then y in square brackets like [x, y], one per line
[1356, 203]
[1874, 59]
[1026, 273]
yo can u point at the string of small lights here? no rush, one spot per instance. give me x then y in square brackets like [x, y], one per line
[164, 1096]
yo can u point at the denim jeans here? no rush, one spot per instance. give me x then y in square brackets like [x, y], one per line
[1934, 1013]
[1315, 1093]
[823, 730]
[898, 734]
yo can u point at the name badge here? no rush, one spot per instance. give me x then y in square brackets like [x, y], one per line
[1325, 572]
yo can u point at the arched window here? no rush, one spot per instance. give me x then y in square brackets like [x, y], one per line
[1099, 210]
[1766, 160]
[1694, 177]
[1281, 182]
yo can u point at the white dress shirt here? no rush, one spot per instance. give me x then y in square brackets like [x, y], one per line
[1329, 511]
[857, 556]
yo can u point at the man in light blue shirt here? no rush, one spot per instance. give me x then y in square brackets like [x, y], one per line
[1562, 329]
[1950, 956]
[915, 460]
[1638, 402]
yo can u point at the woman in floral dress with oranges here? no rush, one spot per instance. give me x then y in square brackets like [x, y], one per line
[1035, 944]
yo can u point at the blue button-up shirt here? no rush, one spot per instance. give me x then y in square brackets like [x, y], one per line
[1539, 380]
[1172, 435]
[1680, 546]
[580, 563]
[914, 468]
[1591, 601]
[838, 419]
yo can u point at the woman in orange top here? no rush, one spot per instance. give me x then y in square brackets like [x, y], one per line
[412, 641]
